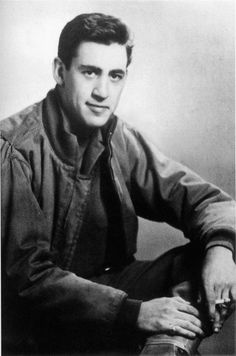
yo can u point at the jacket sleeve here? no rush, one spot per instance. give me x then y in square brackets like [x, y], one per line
[28, 262]
[164, 190]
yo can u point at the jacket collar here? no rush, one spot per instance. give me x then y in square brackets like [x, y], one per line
[63, 141]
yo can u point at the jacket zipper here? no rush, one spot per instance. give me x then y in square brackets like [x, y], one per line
[110, 166]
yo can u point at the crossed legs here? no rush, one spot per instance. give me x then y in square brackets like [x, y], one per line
[176, 273]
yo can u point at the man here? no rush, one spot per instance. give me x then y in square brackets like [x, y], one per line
[74, 180]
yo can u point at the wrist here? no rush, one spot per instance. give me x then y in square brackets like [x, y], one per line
[129, 312]
[222, 238]
[141, 319]
[219, 251]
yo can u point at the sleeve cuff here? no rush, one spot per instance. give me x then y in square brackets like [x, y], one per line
[129, 312]
[222, 238]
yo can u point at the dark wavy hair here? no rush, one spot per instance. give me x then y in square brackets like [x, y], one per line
[92, 27]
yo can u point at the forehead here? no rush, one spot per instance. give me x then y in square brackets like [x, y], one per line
[107, 57]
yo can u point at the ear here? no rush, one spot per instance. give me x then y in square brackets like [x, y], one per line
[58, 68]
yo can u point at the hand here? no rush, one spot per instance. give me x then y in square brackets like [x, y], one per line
[170, 315]
[219, 282]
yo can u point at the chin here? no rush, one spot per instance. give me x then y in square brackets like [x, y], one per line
[98, 122]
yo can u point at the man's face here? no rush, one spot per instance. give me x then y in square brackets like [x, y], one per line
[94, 82]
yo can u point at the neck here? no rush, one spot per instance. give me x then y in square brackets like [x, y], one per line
[84, 133]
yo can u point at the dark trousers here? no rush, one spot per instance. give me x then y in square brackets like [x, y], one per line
[174, 273]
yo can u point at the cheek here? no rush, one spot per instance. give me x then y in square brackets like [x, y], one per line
[116, 93]
[82, 92]
[77, 88]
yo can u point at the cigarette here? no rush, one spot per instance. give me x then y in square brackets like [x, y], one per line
[222, 301]
[219, 301]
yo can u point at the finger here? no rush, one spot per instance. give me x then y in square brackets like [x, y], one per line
[218, 291]
[191, 327]
[217, 324]
[191, 323]
[225, 294]
[190, 318]
[232, 294]
[224, 311]
[181, 300]
[189, 309]
[232, 297]
[183, 332]
[210, 298]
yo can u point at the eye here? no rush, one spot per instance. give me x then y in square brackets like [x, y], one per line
[89, 74]
[116, 77]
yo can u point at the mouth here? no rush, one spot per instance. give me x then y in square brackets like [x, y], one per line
[97, 108]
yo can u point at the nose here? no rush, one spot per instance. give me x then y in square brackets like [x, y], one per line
[100, 90]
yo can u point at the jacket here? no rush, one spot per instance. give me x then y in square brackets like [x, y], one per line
[44, 198]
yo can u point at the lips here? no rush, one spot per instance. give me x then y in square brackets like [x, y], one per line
[96, 106]
[97, 109]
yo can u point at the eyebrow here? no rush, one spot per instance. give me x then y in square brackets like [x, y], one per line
[99, 70]
[118, 71]
[90, 67]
